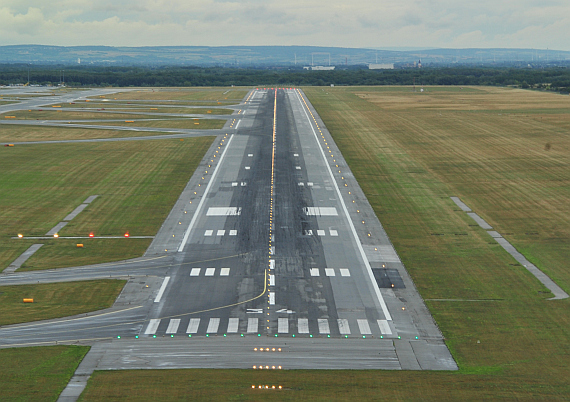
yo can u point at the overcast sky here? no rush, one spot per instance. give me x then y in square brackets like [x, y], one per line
[345, 23]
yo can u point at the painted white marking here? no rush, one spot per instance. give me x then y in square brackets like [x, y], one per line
[285, 311]
[239, 121]
[283, 325]
[234, 184]
[233, 232]
[161, 290]
[364, 327]
[303, 325]
[223, 211]
[224, 272]
[343, 327]
[254, 311]
[333, 232]
[329, 272]
[152, 326]
[252, 325]
[384, 327]
[321, 211]
[356, 239]
[271, 264]
[310, 184]
[272, 251]
[173, 326]
[315, 272]
[195, 271]
[243, 184]
[210, 271]
[208, 232]
[344, 272]
[204, 197]
[271, 280]
[233, 325]
[250, 155]
[220, 232]
[321, 232]
[309, 232]
[271, 298]
[295, 154]
[213, 325]
[193, 326]
[247, 167]
[298, 167]
[301, 184]
[324, 326]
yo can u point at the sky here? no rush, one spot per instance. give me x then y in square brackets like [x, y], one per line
[536, 24]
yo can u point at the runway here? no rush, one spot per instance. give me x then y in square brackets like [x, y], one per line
[272, 241]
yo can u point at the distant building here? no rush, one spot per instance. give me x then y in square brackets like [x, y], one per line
[320, 68]
[383, 66]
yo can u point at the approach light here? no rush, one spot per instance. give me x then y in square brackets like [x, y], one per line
[127, 234]
[91, 234]
[20, 235]
[56, 235]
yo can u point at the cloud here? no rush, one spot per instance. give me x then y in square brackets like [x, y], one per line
[366, 23]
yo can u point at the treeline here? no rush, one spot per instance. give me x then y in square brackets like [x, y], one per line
[557, 79]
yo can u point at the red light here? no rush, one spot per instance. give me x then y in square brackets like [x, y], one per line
[91, 234]
[127, 234]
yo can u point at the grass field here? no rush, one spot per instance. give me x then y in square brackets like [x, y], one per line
[172, 122]
[182, 94]
[55, 300]
[19, 133]
[59, 114]
[37, 374]
[410, 152]
[138, 183]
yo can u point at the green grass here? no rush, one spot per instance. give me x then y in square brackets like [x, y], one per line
[138, 183]
[170, 122]
[55, 300]
[17, 133]
[316, 385]
[39, 373]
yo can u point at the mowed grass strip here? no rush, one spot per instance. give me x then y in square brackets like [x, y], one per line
[56, 300]
[409, 163]
[200, 94]
[38, 373]
[171, 122]
[138, 182]
[314, 385]
[59, 114]
[26, 133]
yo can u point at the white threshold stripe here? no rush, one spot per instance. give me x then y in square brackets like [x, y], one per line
[233, 324]
[152, 326]
[203, 199]
[213, 325]
[193, 326]
[239, 121]
[323, 326]
[252, 325]
[343, 326]
[272, 298]
[364, 327]
[347, 216]
[384, 327]
[173, 326]
[283, 325]
[162, 289]
[303, 325]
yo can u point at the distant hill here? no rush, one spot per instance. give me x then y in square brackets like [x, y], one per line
[273, 56]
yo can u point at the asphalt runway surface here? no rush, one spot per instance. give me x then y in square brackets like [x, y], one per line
[272, 244]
